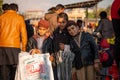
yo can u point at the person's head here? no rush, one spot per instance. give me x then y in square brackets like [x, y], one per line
[72, 28]
[52, 9]
[62, 20]
[103, 14]
[43, 27]
[5, 7]
[60, 8]
[14, 6]
[29, 28]
[79, 23]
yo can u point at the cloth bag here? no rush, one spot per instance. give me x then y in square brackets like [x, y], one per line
[34, 67]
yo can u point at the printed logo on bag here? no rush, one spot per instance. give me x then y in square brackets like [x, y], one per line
[35, 68]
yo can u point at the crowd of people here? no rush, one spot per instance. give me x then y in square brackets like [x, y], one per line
[76, 53]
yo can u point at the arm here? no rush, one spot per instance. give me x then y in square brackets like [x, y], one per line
[99, 28]
[23, 34]
[93, 46]
[95, 53]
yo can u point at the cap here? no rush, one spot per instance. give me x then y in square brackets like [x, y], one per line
[44, 24]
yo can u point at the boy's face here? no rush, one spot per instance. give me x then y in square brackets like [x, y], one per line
[62, 23]
[42, 31]
[61, 10]
[73, 30]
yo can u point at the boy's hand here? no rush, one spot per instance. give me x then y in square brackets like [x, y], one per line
[51, 58]
[35, 51]
[97, 66]
[62, 46]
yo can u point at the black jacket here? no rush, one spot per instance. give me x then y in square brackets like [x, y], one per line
[46, 48]
[87, 53]
[31, 44]
[47, 45]
[60, 37]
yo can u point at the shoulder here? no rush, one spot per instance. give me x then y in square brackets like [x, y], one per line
[56, 31]
[87, 36]
[49, 39]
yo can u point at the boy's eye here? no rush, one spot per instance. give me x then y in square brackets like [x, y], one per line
[62, 22]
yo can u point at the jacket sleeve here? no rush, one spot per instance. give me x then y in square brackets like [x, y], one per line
[23, 34]
[93, 46]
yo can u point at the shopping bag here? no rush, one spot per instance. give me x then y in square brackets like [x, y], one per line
[34, 67]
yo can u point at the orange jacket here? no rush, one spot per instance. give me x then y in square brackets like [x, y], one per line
[12, 30]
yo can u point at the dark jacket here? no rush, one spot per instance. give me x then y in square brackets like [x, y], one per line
[87, 53]
[47, 45]
[46, 48]
[60, 37]
[31, 44]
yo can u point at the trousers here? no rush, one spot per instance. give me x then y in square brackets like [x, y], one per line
[85, 73]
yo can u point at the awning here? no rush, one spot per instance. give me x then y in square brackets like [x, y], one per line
[85, 4]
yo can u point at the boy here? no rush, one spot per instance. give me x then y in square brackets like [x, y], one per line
[44, 42]
[64, 57]
[86, 55]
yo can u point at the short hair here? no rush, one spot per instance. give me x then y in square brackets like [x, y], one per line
[59, 6]
[70, 23]
[52, 9]
[79, 21]
[14, 6]
[62, 15]
[5, 6]
[103, 14]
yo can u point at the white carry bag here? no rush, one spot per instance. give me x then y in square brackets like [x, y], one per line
[34, 67]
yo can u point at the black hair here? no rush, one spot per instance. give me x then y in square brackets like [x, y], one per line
[79, 21]
[5, 6]
[103, 14]
[70, 23]
[59, 6]
[14, 6]
[52, 9]
[62, 15]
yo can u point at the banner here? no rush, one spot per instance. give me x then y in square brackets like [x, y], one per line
[34, 67]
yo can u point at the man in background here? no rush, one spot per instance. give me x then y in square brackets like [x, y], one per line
[52, 17]
[115, 15]
[12, 34]
[5, 7]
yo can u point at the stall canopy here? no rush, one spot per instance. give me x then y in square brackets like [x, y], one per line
[85, 4]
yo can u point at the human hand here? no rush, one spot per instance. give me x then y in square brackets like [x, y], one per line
[35, 51]
[62, 46]
[51, 58]
[97, 66]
